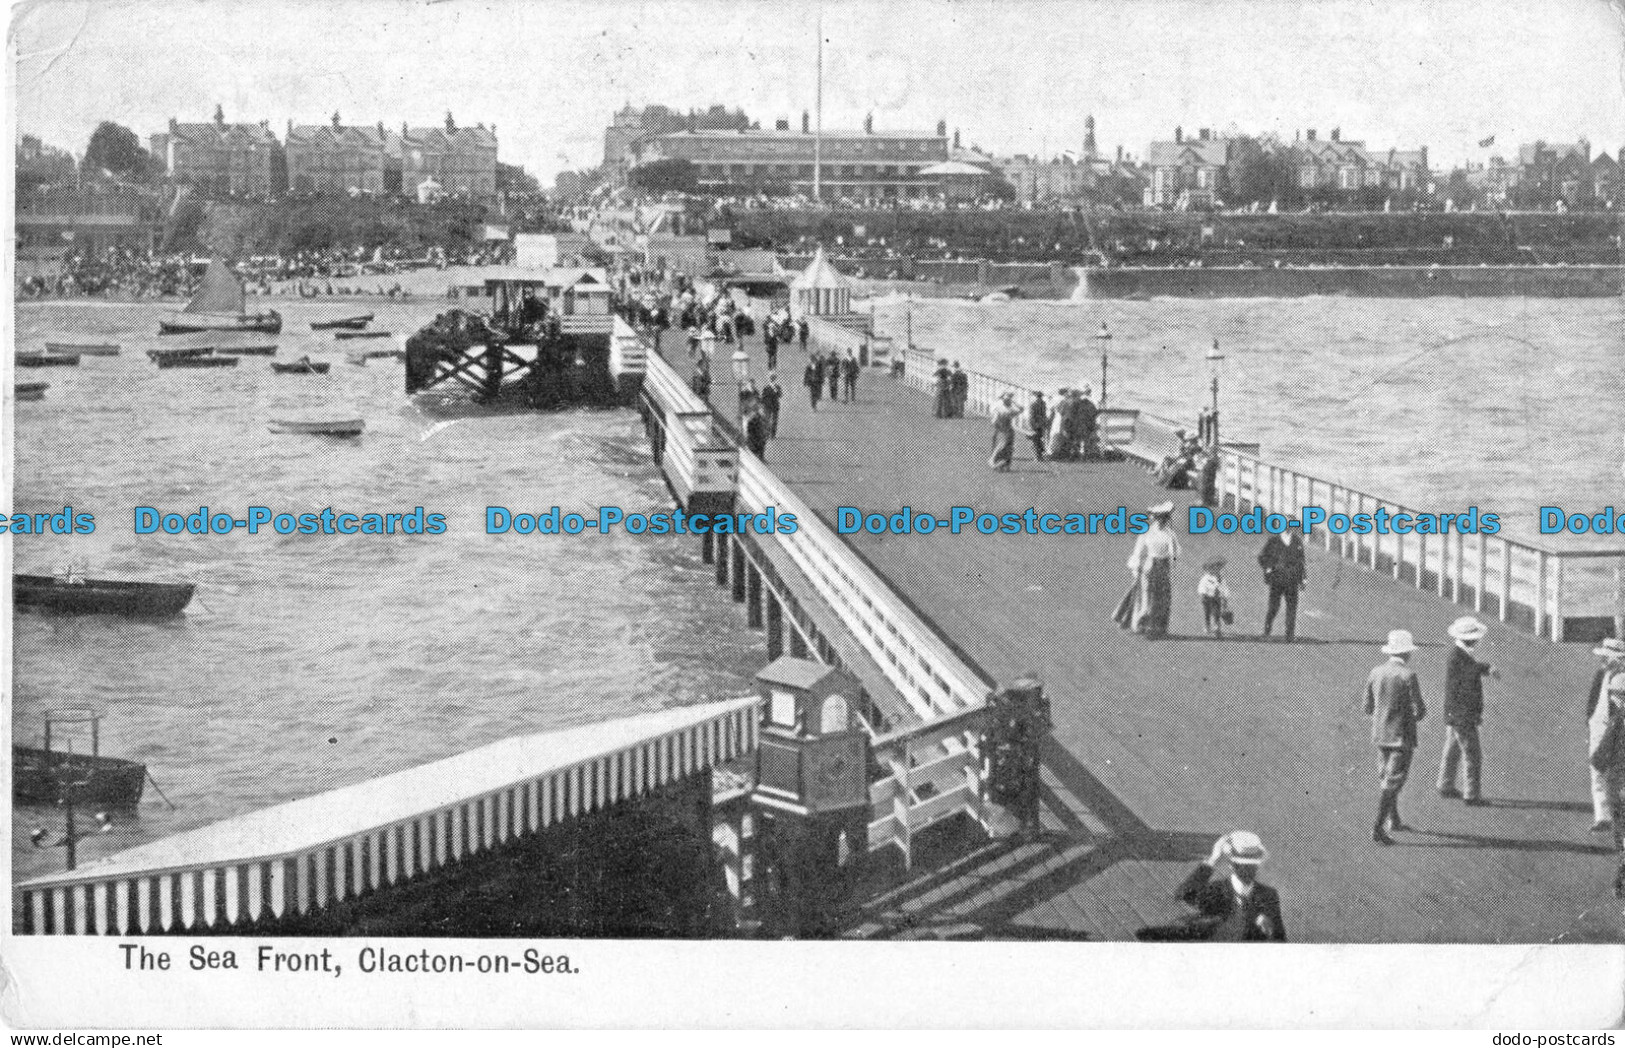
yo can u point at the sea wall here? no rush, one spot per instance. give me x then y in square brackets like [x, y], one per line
[1364, 281]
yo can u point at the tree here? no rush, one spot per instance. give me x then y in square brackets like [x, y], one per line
[665, 176]
[115, 149]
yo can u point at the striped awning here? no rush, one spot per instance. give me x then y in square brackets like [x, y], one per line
[300, 856]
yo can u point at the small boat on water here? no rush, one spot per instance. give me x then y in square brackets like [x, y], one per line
[248, 351]
[180, 351]
[47, 775]
[342, 427]
[220, 305]
[86, 349]
[47, 360]
[193, 361]
[30, 390]
[75, 595]
[346, 336]
[351, 323]
[302, 366]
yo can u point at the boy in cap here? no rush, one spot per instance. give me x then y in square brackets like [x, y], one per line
[1463, 711]
[1393, 698]
[1215, 597]
[1237, 908]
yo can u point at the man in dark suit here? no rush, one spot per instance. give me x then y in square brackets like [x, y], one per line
[1284, 571]
[1463, 711]
[1238, 908]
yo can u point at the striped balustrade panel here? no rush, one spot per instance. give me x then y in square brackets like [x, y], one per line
[301, 856]
[925, 671]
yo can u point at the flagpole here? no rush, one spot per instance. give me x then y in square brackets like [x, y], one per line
[818, 133]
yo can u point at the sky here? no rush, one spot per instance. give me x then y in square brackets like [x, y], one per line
[1015, 76]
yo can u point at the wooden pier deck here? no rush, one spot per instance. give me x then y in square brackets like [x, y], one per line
[1160, 746]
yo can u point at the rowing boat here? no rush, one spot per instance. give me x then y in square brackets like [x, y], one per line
[30, 390]
[100, 596]
[47, 360]
[304, 366]
[343, 427]
[87, 349]
[346, 336]
[354, 323]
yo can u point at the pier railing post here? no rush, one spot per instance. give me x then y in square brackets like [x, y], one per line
[738, 569]
[1483, 571]
[753, 597]
[1557, 600]
[722, 560]
[1540, 592]
[1506, 580]
[775, 626]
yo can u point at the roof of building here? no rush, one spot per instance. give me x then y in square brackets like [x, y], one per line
[1214, 152]
[1526, 152]
[478, 137]
[953, 168]
[764, 134]
[820, 274]
[353, 135]
[259, 134]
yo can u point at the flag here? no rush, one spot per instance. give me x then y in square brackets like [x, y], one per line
[1485, 143]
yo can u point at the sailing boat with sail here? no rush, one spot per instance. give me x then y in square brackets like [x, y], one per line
[219, 306]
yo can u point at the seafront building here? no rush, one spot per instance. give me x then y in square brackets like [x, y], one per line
[334, 158]
[856, 165]
[221, 158]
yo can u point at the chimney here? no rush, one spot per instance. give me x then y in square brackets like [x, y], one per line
[1179, 135]
[1337, 134]
[1424, 156]
[451, 125]
[219, 115]
[1119, 154]
[942, 129]
[380, 130]
[806, 122]
[336, 124]
[781, 125]
[1310, 134]
[1204, 134]
[403, 130]
[956, 138]
[1089, 135]
[290, 127]
[175, 127]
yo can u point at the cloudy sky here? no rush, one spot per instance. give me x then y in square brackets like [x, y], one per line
[1013, 75]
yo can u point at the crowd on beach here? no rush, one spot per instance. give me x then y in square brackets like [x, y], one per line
[126, 274]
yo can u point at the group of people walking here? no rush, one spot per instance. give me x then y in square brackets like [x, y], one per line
[839, 373]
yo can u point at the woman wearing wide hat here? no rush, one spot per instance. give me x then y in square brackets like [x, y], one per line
[1463, 711]
[1152, 563]
[1004, 433]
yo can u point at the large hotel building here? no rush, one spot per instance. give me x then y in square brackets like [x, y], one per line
[856, 165]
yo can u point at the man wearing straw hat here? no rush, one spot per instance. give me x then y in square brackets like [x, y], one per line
[1612, 653]
[1393, 699]
[1237, 908]
[1463, 711]
[1608, 760]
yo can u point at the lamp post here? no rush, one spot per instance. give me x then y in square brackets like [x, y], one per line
[741, 365]
[1215, 368]
[1104, 337]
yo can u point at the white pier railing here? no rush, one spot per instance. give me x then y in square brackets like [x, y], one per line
[1490, 573]
[1556, 593]
[294, 858]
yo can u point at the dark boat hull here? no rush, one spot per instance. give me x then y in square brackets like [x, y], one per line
[195, 362]
[30, 390]
[261, 323]
[347, 324]
[47, 360]
[347, 336]
[312, 368]
[37, 776]
[247, 351]
[101, 596]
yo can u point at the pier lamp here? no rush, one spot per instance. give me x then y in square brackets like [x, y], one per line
[741, 366]
[1215, 368]
[1104, 337]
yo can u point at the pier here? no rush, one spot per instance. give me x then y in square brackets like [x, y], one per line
[1160, 746]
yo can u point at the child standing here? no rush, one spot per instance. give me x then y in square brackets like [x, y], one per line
[1215, 597]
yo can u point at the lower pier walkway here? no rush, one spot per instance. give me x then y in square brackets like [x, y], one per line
[1160, 746]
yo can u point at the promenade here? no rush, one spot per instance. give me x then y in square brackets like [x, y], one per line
[1160, 746]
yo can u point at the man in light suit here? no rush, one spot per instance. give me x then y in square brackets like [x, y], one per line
[1238, 908]
[1393, 699]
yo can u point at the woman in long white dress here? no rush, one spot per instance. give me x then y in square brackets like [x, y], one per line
[1152, 563]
